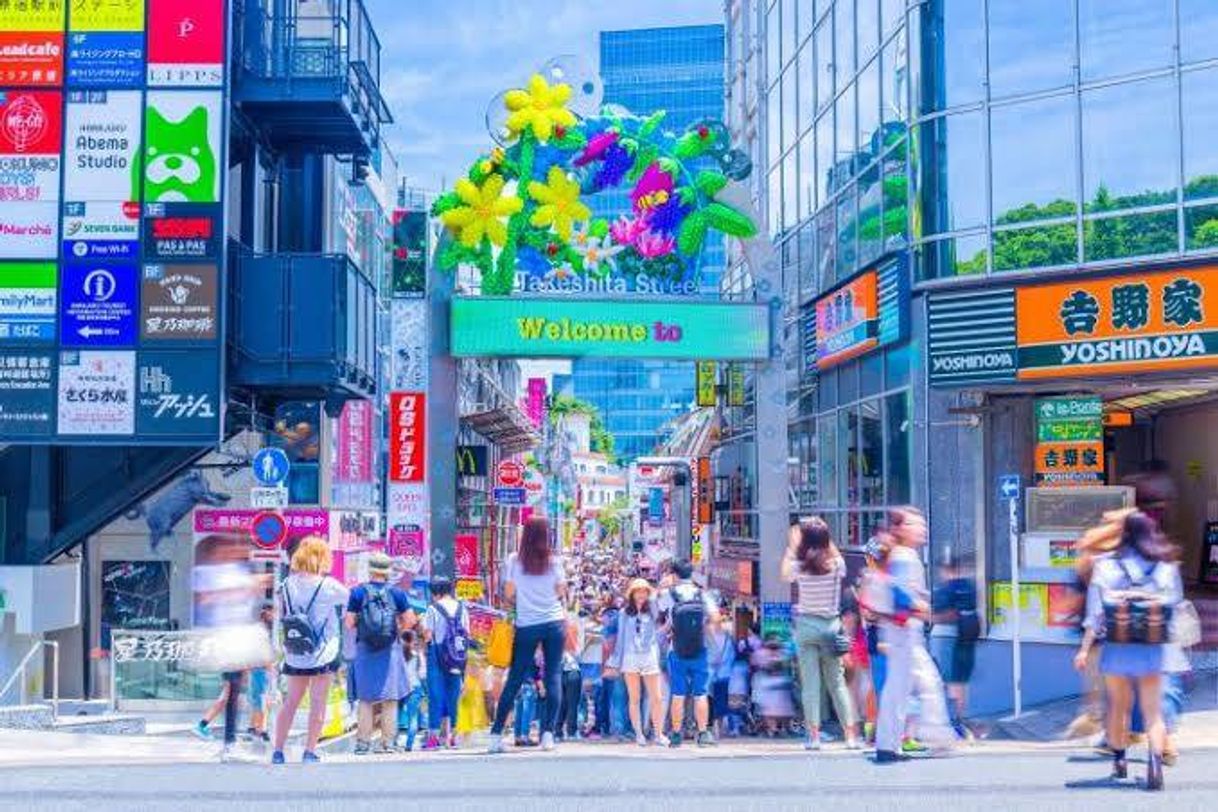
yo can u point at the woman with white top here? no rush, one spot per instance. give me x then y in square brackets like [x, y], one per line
[310, 594]
[636, 656]
[813, 563]
[537, 585]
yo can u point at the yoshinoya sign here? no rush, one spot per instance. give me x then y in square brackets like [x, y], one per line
[618, 328]
[867, 312]
[1111, 325]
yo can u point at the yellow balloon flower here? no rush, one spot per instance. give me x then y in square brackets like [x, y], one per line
[483, 211]
[560, 206]
[541, 107]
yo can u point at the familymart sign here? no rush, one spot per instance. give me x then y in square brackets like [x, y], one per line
[609, 328]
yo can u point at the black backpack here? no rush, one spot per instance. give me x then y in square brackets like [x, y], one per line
[299, 636]
[454, 651]
[377, 625]
[688, 623]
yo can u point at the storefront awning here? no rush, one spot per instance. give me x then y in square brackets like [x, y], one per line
[507, 428]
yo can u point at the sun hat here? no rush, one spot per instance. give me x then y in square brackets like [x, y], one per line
[636, 585]
[379, 563]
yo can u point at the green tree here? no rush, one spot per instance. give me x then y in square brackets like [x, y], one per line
[602, 440]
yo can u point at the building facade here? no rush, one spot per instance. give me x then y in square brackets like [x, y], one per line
[680, 71]
[978, 225]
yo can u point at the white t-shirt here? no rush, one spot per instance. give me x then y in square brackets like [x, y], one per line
[435, 622]
[537, 598]
[324, 615]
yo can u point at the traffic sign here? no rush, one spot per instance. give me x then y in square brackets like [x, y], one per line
[268, 530]
[510, 496]
[269, 498]
[271, 466]
[1009, 486]
[510, 474]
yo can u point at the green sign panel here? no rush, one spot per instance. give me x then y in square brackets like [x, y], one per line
[1067, 420]
[609, 328]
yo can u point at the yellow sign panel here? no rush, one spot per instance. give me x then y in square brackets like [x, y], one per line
[106, 15]
[31, 15]
[706, 383]
[469, 590]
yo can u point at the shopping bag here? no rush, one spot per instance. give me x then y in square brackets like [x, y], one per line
[471, 708]
[499, 647]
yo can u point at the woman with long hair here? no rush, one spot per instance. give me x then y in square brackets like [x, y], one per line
[636, 656]
[909, 666]
[537, 586]
[310, 604]
[813, 563]
[1140, 577]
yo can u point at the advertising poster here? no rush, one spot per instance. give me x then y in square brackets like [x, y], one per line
[179, 303]
[185, 43]
[353, 463]
[27, 399]
[99, 223]
[178, 394]
[97, 304]
[96, 393]
[135, 595]
[182, 150]
[110, 15]
[409, 319]
[409, 253]
[407, 545]
[176, 231]
[110, 59]
[47, 15]
[407, 436]
[28, 296]
[535, 405]
[465, 555]
[101, 146]
[1065, 608]
[31, 58]
[30, 129]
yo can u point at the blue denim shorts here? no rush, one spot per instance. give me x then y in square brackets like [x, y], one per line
[688, 676]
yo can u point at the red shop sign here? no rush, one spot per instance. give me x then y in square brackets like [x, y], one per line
[407, 436]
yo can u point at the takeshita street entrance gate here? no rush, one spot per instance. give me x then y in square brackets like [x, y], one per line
[519, 223]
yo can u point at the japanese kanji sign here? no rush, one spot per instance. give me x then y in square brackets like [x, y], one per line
[1069, 441]
[407, 438]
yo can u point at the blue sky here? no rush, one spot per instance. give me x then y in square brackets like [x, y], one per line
[442, 61]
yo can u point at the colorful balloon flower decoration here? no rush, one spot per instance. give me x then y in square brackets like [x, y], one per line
[524, 206]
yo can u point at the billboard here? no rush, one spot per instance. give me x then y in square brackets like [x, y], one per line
[31, 123]
[409, 253]
[179, 302]
[96, 393]
[101, 148]
[31, 58]
[111, 15]
[28, 296]
[407, 437]
[98, 304]
[105, 59]
[181, 231]
[353, 463]
[185, 43]
[176, 394]
[612, 328]
[27, 396]
[47, 15]
[182, 147]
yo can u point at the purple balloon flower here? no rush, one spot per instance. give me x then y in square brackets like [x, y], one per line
[667, 216]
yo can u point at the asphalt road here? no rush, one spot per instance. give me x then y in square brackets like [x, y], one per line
[584, 779]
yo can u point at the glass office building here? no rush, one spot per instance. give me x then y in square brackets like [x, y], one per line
[678, 70]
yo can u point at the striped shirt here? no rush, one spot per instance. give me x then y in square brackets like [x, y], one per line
[819, 595]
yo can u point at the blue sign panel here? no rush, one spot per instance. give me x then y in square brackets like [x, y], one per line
[101, 249]
[655, 506]
[109, 59]
[98, 304]
[510, 496]
[27, 397]
[271, 466]
[1009, 486]
[176, 393]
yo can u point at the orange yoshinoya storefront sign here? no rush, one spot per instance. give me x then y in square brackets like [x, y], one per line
[1114, 325]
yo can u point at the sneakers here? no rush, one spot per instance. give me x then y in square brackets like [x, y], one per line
[201, 731]
[706, 739]
[813, 742]
[277, 757]
[854, 744]
[547, 741]
[889, 757]
[309, 757]
[432, 743]
[231, 754]
[912, 745]
[640, 740]
[675, 740]
[496, 745]
[452, 741]
[362, 748]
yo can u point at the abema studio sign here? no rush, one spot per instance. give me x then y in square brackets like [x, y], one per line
[609, 328]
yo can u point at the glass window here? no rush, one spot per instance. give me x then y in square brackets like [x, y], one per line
[1118, 37]
[824, 158]
[826, 248]
[848, 447]
[896, 366]
[807, 175]
[896, 198]
[951, 168]
[868, 13]
[846, 144]
[871, 237]
[843, 29]
[807, 261]
[1198, 30]
[790, 191]
[1125, 162]
[803, 70]
[1201, 228]
[823, 40]
[773, 54]
[827, 393]
[848, 382]
[892, 13]
[1031, 45]
[894, 78]
[774, 190]
[956, 34]
[790, 119]
[826, 454]
[1200, 95]
[1035, 247]
[1034, 146]
[899, 422]
[847, 222]
[773, 125]
[1133, 235]
[807, 16]
[871, 453]
[869, 139]
[956, 256]
[871, 374]
[789, 30]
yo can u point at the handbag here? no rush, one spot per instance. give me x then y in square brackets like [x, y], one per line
[1136, 615]
[1185, 628]
[499, 643]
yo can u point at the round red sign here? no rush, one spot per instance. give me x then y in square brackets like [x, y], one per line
[510, 474]
[268, 530]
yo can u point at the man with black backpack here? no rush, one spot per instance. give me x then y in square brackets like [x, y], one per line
[378, 613]
[690, 612]
[446, 628]
[955, 614]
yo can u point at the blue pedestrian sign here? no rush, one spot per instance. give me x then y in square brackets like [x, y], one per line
[271, 466]
[1009, 486]
[512, 497]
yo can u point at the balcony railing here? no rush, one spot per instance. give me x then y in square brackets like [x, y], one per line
[301, 325]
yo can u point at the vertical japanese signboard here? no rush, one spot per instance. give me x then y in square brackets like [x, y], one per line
[354, 460]
[706, 375]
[110, 292]
[1069, 441]
[407, 437]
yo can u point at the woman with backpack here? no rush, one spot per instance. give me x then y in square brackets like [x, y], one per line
[310, 605]
[813, 563]
[536, 585]
[1130, 599]
[446, 627]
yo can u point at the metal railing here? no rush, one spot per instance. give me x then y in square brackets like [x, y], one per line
[19, 675]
